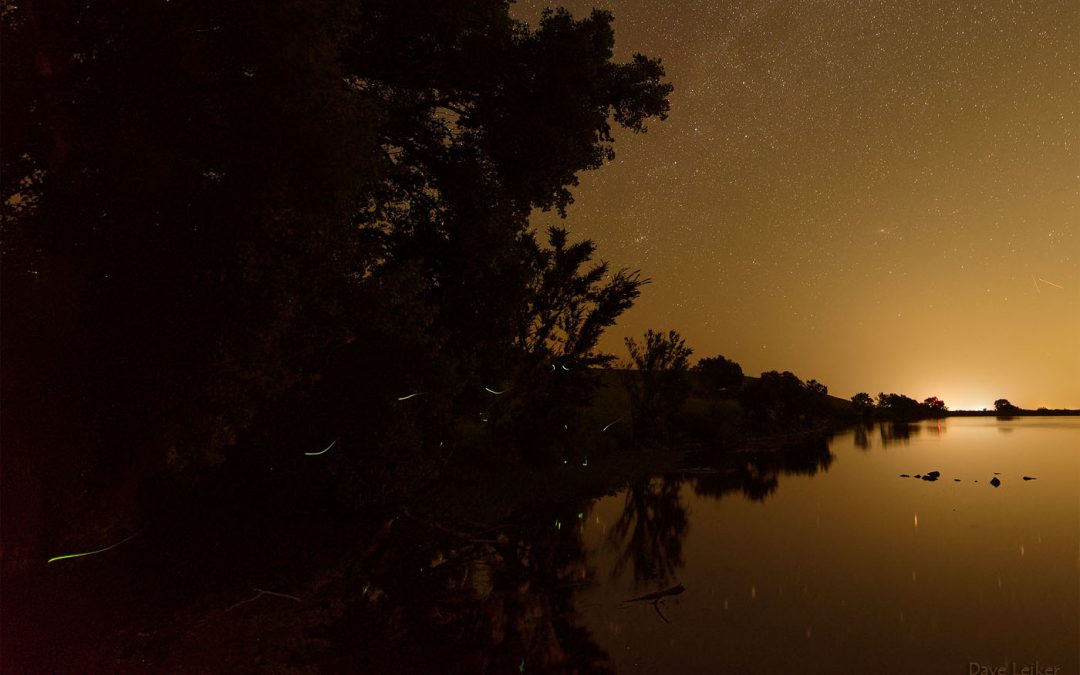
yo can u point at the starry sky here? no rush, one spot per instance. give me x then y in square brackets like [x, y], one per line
[882, 196]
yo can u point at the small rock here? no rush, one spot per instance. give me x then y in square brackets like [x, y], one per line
[956, 480]
[995, 482]
[934, 473]
[930, 477]
[904, 475]
[1029, 477]
[918, 475]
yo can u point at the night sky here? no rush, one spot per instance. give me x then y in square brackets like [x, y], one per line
[882, 196]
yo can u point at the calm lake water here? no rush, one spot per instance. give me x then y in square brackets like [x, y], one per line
[834, 559]
[816, 559]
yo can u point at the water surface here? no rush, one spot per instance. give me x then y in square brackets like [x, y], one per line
[818, 558]
[831, 558]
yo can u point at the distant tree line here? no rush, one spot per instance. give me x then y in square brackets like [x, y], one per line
[713, 401]
[897, 407]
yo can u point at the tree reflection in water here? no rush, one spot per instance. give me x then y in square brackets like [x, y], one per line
[862, 435]
[897, 432]
[755, 475]
[480, 606]
[650, 531]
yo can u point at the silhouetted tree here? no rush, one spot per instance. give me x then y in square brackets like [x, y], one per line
[863, 403]
[1002, 405]
[220, 212]
[934, 405]
[721, 377]
[899, 407]
[780, 401]
[659, 384]
[566, 311]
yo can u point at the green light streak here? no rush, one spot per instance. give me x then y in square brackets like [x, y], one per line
[406, 398]
[100, 550]
[321, 452]
[497, 393]
[565, 368]
[586, 462]
[558, 524]
[611, 424]
[521, 668]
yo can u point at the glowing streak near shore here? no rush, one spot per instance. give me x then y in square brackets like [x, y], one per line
[100, 550]
[321, 452]
[611, 424]
[406, 398]
[497, 393]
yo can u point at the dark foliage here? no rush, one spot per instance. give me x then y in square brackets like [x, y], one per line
[659, 384]
[863, 402]
[781, 401]
[1004, 407]
[720, 377]
[252, 227]
[903, 408]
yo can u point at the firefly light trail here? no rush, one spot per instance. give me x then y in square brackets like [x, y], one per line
[406, 398]
[100, 550]
[323, 451]
[497, 393]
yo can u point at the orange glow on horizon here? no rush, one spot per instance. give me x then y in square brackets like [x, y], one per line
[881, 199]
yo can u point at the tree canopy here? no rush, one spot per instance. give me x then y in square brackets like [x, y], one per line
[659, 384]
[216, 212]
[720, 376]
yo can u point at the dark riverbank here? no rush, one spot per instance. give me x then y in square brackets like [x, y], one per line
[249, 577]
[1042, 412]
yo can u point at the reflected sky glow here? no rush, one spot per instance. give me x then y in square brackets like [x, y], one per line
[922, 576]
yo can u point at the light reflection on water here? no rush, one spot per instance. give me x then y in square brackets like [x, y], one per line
[831, 558]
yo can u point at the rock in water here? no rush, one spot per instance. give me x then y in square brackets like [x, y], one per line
[995, 482]
[904, 475]
[930, 477]
[1029, 477]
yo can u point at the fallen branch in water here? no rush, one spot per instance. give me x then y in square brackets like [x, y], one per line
[658, 597]
[447, 530]
[259, 593]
